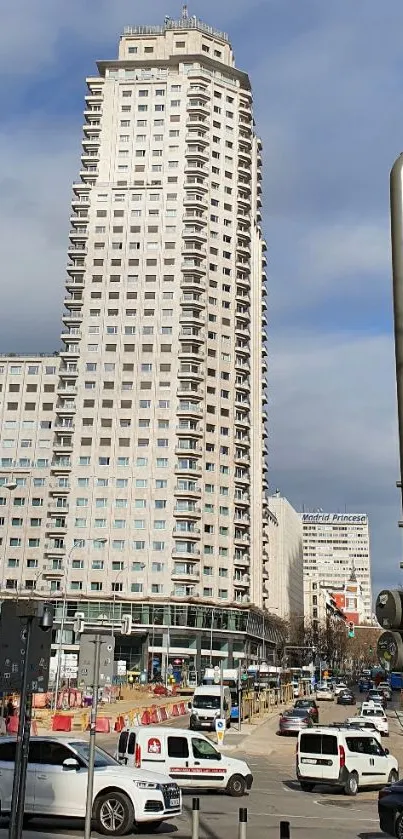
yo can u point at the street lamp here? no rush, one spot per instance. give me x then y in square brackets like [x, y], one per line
[61, 630]
[211, 636]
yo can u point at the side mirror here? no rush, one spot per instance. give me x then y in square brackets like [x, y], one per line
[71, 764]
[386, 751]
[189, 706]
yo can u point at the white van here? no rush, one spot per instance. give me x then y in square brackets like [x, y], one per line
[205, 707]
[343, 757]
[191, 759]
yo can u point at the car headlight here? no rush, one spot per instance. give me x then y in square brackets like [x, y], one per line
[146, 785]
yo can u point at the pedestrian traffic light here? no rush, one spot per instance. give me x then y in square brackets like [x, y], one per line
[351, 633]
[126, 625]
[389, 612]
[78, 625]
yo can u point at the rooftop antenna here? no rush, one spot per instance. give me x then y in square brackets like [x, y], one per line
[185, 13]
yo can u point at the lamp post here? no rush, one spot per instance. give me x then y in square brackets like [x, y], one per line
[62, 622]
[211, 636]
[11, 486]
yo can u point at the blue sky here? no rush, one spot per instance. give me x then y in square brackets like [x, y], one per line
[327, 86]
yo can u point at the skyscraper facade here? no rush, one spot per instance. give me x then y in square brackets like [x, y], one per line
[158, 472]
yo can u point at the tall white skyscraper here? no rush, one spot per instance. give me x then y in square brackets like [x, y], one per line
[158, 474]
[334, 546]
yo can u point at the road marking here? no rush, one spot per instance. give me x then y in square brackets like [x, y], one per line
[308, 818]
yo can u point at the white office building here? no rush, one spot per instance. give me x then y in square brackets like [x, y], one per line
[334, 544]
[157, 473]
[285, 567]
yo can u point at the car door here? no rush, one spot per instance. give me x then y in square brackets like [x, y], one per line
[207, 764]
[378, 761]
[58, 790]
[7, 763]
[358, 759]
[179, 765]
[330, 757]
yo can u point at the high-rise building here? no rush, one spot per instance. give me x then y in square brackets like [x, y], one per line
[158, 471]
[335, 545]
[285, 567]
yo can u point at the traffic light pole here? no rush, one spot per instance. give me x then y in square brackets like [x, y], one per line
[93, 725]
[396, 223]
[22, 744]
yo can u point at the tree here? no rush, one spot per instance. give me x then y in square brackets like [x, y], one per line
[362, 649]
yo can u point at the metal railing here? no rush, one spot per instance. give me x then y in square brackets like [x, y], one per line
[183, 24]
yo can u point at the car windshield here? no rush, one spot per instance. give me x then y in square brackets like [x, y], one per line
[207, 702]
[304, 703]
[101, 758]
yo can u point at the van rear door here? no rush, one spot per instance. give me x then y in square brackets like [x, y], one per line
[310, 755]
[330, 757]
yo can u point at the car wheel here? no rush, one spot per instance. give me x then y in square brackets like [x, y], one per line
[306, 787]
[351, 785]
[399, 826]
[113, 813]
[236, 786]
[393, 776]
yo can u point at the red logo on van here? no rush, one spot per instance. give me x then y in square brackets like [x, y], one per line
[154, 746]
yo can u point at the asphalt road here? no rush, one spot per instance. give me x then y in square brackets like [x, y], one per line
[275, 797]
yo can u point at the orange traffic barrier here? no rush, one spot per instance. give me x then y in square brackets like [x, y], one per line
[102, 725]
[175, 711]
[163, 714]
[12, 725]
[119, 724]
[146, 717]
[61, 722]
[182, 709]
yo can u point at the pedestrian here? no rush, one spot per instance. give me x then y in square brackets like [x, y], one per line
[10, 707]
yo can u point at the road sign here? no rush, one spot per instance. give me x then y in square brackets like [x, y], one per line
[85, 674]
[13, 636]
[220, 727]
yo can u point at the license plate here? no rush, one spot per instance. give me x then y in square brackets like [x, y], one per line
[308, 760]
[174, 802]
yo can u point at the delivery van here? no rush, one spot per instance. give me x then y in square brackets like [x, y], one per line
[191, 759]
[204, 707]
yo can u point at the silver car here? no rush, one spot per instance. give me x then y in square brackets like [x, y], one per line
[295, 720]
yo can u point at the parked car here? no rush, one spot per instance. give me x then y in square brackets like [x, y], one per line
[343, 758]
[390, 808]
[310, 706]
[324, 691]
[346, 697]
[190, 759]
[295, 720]
[57, 786]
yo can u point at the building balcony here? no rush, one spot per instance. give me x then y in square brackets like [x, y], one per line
[195, 214]
[195, 201]
[55, 526]
[193, 490]
[186, 555]
[193, 283]
[187, 316]
[186, 577]
[192, 353]
[70, 351]
[192, 334]
[243, 539]
[242, 583]
[197, 151]
[64, 447]
[52, 550]
[243, 479]
[195, 166]
[74, 316]
[193, 468]
[241, 364]
[189, 408]
[196, 451]
[243, 422]
[186, 431]
[243, 560]
[189, 512]
[56, 489]
[184, 392]
[242, 522]
[191, 375]
[193, 299]
[198, 123]
[192, 532]
[193, 249]
[61, 465]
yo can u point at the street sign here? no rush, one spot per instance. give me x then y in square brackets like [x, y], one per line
[220, 726]
[85, 676]
[13, 634]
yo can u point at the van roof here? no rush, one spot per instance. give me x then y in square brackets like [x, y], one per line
[334, 728]
[153, 729]
[211, 690]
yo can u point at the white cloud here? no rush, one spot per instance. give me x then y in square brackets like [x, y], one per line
[342, 250]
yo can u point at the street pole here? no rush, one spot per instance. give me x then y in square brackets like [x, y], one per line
[91, 753]
[221, 689]
[22, 745]
[62, 622]
[396, 223]
[211, 637]
[239, 696]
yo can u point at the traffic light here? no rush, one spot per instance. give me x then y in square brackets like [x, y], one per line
[78, 624]
[351, 633]
[389, 612]
[126, 625]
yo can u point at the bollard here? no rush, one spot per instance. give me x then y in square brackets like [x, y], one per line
[195, 817]
[243, 818]
[284, 830]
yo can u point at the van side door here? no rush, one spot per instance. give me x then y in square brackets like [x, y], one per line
[208, 766]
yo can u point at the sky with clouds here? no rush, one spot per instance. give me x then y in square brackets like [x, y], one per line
[327, 86]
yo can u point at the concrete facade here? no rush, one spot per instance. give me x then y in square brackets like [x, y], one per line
[285, 568]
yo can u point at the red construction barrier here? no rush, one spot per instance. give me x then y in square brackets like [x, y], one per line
[119, 724]
[163, 714]
[61, 723]
[12, 725]
[103, 725]
[154, 716]
[175, 711]
[182, 709]
[146, 717]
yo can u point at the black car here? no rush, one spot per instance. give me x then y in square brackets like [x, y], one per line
[346, 697]
[390, 809]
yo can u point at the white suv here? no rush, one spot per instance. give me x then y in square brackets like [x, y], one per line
[57, 786]
[344, 758]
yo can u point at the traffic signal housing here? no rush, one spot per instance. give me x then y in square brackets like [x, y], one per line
[389, 613]
[351, 633]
